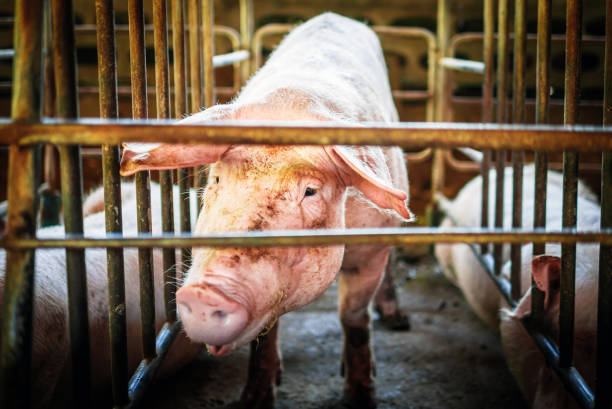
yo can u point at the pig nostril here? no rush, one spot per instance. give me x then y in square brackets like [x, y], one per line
[219, 314]
[186, 306]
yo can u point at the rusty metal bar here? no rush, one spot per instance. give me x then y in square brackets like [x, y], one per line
[502, 117]
[603, 366]
[246, 34]
[162, 83]
[410, 135]
[570, 181]
[24, 176]
[195, 57]
[518, 157]
[65, 70]
[142, 180]
[541, 157]
[178, 35]
[275, 238]
[107, 80]
[487, 109]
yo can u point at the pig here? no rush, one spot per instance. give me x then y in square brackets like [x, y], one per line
[458, 262]
[330, 68]
[50, 344]
[541, 387]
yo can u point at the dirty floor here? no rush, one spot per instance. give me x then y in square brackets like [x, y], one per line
[449, 359]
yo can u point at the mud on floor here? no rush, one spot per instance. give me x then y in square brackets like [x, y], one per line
[448, 359]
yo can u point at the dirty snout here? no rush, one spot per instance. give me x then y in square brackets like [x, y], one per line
[210, 317]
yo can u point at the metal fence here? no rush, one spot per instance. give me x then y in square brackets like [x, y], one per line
[27, 130]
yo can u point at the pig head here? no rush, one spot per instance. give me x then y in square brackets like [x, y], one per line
[231, 295]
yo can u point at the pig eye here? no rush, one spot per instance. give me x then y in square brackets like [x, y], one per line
[217, 179]
[310, 192]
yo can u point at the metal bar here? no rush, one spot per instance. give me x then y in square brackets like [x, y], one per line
[222, 60]
[518, 157]
[107, 80]
[67, 103]
[7, 54]
[142, 179]
[195, 58]
[162, 83]
[541, 157]
[24, 176]
[391, 236]
[502, 117]
[487, 110]
[145, 374]
[603, 366]
[570, 181]
[246, 34]
[458, 64]
[410, 135]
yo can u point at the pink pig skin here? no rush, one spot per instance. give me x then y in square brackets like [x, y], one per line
[328, 69]
[51, 339]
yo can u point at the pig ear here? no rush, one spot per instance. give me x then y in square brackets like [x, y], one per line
[546, 272]
[364, 167]
[148, 156]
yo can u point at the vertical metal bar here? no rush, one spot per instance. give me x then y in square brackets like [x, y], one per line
[67, 103]
[162, 88]
[178, 38]
[603, 371]
[142, 180]
[502, 116]
[487, 110]
[208, 41]
[570, 182]
[195, 59]
[518, 157]
[107, 83]
[246, 34]
[541, 157]
[24, 175]
[443, 34]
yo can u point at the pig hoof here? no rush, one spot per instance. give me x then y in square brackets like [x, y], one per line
[257, 399]
[359, 397]
[397, 321]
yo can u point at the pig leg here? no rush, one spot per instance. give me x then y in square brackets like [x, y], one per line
[265, 368]
[356, 288]
[385, 301]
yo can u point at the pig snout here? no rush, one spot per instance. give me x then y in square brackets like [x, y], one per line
[209, 316]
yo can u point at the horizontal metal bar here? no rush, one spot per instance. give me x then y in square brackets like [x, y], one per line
[222, 60]
[458, 64]
[145, 373]
[7, 54]
[412, 95]
[406, 134]
[396, 236]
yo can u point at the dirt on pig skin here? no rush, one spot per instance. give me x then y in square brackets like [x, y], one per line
[449, 359]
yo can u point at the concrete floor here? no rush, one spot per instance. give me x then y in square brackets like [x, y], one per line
[449, 359]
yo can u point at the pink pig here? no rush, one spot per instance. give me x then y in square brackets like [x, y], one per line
[329, 69]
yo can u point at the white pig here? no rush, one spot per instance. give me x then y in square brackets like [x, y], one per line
[459, 263]
[329, 69]
[50, 344]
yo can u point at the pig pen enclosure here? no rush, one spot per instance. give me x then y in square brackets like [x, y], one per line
[469, 85]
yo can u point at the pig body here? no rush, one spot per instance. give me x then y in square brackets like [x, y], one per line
[541, 387]
[50, 349]
[329, 69]
[459, 263]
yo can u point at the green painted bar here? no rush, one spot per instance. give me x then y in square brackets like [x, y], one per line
[107, 82]
[24, 175]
